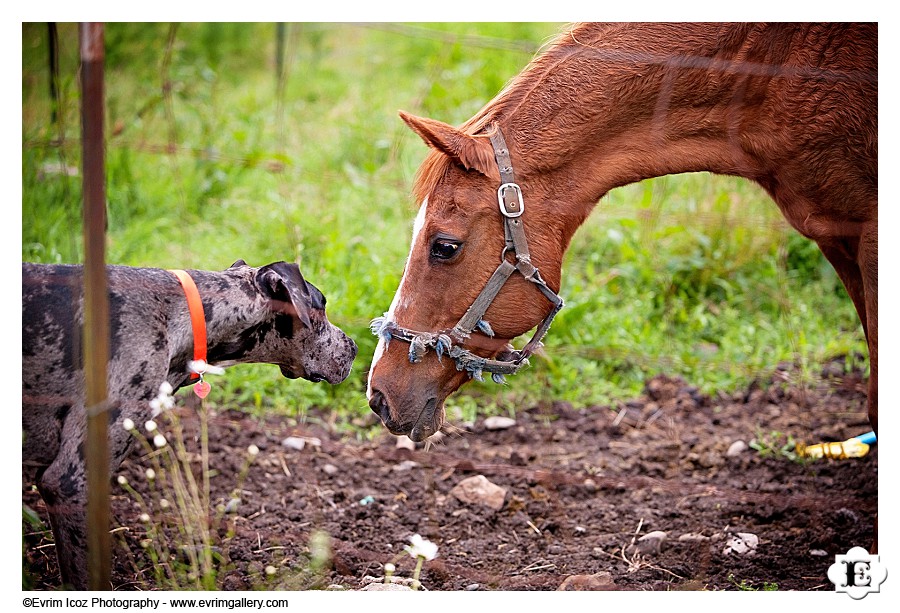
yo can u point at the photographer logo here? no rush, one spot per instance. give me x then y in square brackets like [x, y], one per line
[857, 573]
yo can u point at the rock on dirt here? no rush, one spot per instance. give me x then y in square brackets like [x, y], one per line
[385, 587]
[736, 449]
[298, 443]
[742, 543]
[478, 490]
[597, 582]
[652, 542]
[498, 422]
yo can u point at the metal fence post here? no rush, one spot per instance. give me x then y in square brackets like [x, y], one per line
[53, 56]
[96, 305]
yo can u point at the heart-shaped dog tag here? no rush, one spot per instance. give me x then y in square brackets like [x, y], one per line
[202, 389]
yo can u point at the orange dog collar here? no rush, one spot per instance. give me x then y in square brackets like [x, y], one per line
[198, 319]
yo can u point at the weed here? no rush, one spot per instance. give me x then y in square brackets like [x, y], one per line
[776, 445]
[746, 586]
[33, 522]
[185, 542]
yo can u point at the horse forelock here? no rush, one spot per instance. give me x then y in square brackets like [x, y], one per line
[433, 168]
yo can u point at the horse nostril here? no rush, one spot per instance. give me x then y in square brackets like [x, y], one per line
[378, 403]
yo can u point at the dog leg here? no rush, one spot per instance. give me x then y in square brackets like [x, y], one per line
[63, 487]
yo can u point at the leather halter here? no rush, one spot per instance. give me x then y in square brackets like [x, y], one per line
[512, 207]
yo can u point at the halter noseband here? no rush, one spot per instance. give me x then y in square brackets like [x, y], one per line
[512, 206]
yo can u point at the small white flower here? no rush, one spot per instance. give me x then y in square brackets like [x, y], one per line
[389, 568]
[201, 367]
[159, 440]
[164, 400]
[145, 518]
[127, 424]
[421, 548]
[150, 425]
[253, 450]
[151, 474]
[163, 503]
[122, 480]
[270, 570]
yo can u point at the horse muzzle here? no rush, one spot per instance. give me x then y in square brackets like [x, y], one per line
[420, 426]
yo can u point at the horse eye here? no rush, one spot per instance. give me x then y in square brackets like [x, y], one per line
[443, 249]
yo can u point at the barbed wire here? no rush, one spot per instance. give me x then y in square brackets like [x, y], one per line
[469, 40]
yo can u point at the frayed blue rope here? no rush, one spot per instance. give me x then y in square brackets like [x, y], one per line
[442, 346]
[417, 348]
[469, 362]
[380, 327]
[484, 327]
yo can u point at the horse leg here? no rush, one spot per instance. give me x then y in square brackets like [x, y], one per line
[863, 294]
[849, 273]
[860, 278]
[868, 260]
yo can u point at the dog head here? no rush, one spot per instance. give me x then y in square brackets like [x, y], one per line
[293, 330]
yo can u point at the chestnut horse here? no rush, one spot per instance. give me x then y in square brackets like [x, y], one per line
[789, 106]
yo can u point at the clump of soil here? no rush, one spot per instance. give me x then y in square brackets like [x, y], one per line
[583, 486]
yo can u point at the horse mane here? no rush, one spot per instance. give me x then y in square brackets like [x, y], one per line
[591, 51]
[436, 164]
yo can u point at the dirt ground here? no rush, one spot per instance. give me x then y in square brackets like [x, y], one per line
[583, 485]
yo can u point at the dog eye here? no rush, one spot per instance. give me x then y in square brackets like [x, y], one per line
[445, 249]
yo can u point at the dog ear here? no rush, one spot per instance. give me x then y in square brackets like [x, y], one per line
[285, 286]
[238, 264]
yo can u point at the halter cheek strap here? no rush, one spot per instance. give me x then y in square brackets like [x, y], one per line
[198, 319]
[512, 206]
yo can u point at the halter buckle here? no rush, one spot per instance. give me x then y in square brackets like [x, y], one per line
[514, 208]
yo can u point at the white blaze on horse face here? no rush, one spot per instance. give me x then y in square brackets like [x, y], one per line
[399, 297]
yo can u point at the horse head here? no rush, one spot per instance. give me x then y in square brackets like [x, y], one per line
[469, 288]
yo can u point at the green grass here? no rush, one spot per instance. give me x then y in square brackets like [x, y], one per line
[210, 160]
[745, 586]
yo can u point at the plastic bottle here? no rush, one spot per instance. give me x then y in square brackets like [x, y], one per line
[855, 447]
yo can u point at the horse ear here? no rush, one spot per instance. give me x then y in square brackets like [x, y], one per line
[471, 152]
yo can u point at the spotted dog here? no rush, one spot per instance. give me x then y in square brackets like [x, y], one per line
[265, 315]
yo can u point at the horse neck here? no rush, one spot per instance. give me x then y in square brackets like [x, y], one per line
[605, 107]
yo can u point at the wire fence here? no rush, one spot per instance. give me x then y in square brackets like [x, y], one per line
[277, 162]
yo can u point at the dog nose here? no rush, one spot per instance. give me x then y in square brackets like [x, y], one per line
[378, 403]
